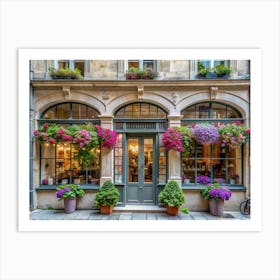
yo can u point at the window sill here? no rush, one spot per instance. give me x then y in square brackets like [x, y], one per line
[199, 187]
[53, 187]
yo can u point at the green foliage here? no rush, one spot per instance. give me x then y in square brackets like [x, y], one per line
[222, 70]
[203, 70]
[65, 73]
[70, 191]
[187, 138]
[108, 194]
[147, 73]
[172, 195]
[205, 191]
[184, 210]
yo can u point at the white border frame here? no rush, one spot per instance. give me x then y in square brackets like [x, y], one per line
[252, 224]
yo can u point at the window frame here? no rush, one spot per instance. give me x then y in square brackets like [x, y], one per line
[70, 121]
[227, 157]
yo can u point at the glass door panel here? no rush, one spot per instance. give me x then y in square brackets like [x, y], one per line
[148, 159]
[133, 156]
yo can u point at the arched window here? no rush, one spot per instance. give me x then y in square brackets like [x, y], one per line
[217, 163]
[59, 161]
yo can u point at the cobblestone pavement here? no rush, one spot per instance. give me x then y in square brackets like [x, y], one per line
[39, 214]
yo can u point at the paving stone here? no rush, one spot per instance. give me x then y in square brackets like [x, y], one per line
[197, 216]
[139, 216]
[94, 214]
[95, 217]
[173, 218]
[83, 214]
[125, 216]
[151, 216]
[183, 216]
[161, 216]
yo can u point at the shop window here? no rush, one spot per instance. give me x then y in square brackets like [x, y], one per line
[211, 160]
[59, 162]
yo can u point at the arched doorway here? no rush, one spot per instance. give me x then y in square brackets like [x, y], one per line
[140, 163]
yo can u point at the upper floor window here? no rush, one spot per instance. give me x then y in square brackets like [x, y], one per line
[212, 63]
[72, 64]
[142, 64]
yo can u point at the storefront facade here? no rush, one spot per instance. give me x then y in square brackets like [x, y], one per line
[139, 111]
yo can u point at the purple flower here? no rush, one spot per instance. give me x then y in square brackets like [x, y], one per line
[205, 133]
[60, 193]
[67, 189]
[204, 180]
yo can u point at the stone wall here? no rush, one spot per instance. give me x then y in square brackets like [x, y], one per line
[115, 69]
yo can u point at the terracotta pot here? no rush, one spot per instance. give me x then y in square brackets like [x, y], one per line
[70, 205]
[172, 211]
[106, 209]
[216, 208]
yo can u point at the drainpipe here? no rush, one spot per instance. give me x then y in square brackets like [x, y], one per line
[31, 202]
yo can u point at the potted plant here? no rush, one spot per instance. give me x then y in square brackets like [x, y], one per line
[233, 178]
[185, 180]
[65, 73]
[205, 133]
[222, 71]
[107, 197]
[172, 197]
[216, 195]
[69, 194]
[135, 73]
[202, 71]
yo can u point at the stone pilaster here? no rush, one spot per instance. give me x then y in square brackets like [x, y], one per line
[174, 158]
[106, 121]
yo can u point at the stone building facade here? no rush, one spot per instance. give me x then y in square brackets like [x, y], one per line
[140, 111]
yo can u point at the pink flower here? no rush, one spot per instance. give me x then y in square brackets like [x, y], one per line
[247, 131]
[45, 126]
[51, 141]
[238, 123]
[36, 132]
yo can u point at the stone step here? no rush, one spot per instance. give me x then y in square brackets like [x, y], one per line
[140, 208]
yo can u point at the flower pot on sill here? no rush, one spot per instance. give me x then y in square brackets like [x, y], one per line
[70, 205]
[216, 207]
[106, 209]
[172, 211]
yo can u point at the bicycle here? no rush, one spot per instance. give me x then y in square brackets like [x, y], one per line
[245, 206]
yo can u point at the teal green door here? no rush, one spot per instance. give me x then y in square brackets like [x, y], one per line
[140, 187]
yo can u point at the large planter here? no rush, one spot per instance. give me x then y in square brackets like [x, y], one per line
[106, 209]
[216, 207]
[70, 205]
[172, 211]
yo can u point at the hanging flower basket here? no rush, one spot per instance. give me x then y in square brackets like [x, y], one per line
[233, 135]
[178, 139]
[205, 133]
[172, 140]
[107, 137]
